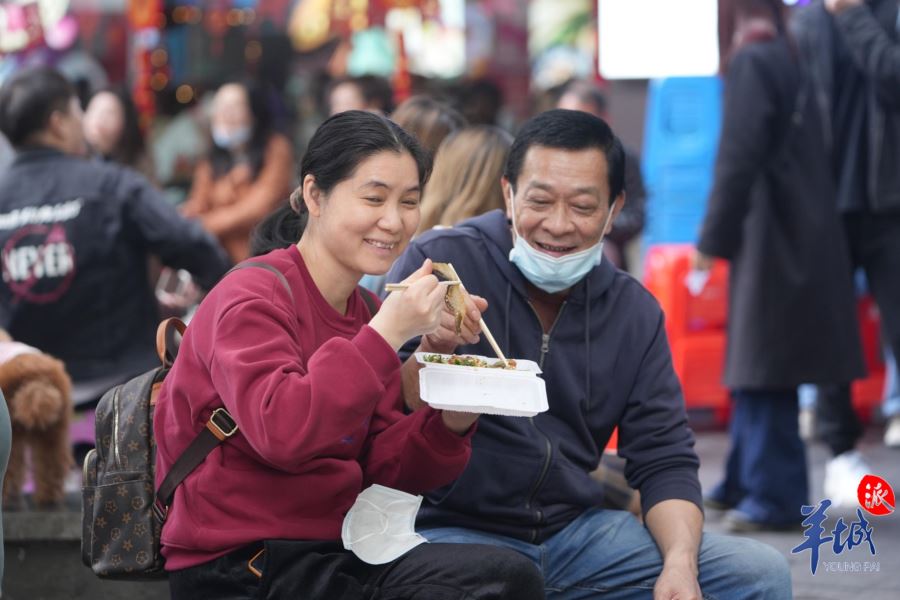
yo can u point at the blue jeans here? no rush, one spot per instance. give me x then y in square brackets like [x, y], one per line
[609, 552]
[765, 474]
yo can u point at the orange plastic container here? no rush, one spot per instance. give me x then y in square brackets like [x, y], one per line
[870, 333]
[868, 393]
[699, 360]
[665, 269]
[612, 446]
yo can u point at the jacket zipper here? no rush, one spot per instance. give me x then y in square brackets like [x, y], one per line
[545, 349]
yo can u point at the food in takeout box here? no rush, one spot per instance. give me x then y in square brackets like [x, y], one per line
[469, 383]
[469, 361]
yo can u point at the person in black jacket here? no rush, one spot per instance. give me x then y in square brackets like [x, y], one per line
[75, 236]
[791, 297]
[853, 49]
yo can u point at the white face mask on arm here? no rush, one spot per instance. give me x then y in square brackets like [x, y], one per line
[550, 273]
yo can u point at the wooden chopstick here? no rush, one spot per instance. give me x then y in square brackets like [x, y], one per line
[399, 287]
[484, 327]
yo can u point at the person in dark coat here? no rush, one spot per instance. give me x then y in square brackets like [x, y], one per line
[853, 49]
[791, 313]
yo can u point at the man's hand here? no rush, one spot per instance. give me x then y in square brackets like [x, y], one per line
[677, 582]
[444, 340]
[836, 6]
[677, 528]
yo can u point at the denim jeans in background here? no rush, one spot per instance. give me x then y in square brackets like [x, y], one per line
[609, 553]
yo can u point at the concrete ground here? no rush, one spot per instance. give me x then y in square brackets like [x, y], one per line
[828, 585]
[38, 569]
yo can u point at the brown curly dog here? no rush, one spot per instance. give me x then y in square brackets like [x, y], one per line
[38, 392]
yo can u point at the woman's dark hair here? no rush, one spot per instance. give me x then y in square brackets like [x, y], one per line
[281, 228]
[28, 99]
[569, 130]
[732, 13]
[221, 159]
[336, 149]
[129, 150]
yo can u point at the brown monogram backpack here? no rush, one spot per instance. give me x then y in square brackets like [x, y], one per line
[122, 516]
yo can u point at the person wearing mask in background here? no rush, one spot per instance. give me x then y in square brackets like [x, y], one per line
[247, 173]
[112, 131]
[366, 92]
[584, 96]
[466, 178]
[429, 120]
[791, 313]
[312, 380]
[76, 236]
[535, 271]
[853, 49]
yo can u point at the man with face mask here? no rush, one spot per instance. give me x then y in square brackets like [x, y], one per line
[600, 341]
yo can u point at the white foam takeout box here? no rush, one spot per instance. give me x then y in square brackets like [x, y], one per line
[492, 391]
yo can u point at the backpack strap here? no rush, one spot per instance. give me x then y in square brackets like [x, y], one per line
[369, 300]
[366, 295]
[166, 344]
[262, 265]
[219, 428]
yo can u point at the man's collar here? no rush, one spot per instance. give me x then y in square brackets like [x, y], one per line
[35, 152]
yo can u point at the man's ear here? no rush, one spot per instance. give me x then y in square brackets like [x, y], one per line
[506, 186]
[618, 205]
[56, 126]
[312, 195]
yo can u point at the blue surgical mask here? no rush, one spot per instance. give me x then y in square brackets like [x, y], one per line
[229, 140]
[550, 273]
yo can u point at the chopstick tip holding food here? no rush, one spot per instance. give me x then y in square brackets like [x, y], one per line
[456, 302]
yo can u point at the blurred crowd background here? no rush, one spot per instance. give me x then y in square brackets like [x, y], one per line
[172, 88]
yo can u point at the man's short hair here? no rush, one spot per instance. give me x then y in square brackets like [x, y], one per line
[28, 99]
[569, 130]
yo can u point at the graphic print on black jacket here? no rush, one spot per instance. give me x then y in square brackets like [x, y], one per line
[606, 362]
[75, 236]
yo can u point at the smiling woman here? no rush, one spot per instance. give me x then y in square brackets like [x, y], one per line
[312, 380]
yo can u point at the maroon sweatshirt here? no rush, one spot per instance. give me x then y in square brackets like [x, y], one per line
[317, 399]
